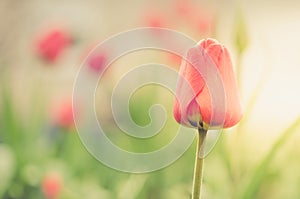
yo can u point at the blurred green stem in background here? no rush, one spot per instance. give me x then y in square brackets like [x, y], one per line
[241, 43]
[256, 180]
[199, 163]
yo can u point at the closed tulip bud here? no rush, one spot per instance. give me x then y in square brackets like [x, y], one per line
[190, 111]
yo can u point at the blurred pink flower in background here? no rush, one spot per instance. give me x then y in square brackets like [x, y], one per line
[52, 43]
[203, 23]
[96, 61]
[52, 185]
[62, 114]
[183, 8]
[155, 20]
[199, 18]
[199, 108]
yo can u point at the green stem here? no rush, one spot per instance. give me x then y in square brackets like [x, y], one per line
[199, 164]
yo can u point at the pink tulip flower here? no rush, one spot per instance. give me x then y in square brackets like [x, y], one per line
[190, 111]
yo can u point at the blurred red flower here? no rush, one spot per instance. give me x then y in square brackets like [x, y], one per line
[203, 23]
[96, 62]
[201, 19]
[191, 108]
[52, 185]
[52, 43]
[62, 114]
[183, 7]
[155, 18]
[155, 21]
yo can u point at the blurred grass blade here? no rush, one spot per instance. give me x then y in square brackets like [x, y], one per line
[9, 127]
[132, 187]
[241, 43]
[257, 179]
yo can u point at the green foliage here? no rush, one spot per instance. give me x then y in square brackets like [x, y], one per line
[261, 173]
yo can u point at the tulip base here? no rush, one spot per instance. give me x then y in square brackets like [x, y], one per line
[199, 163]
